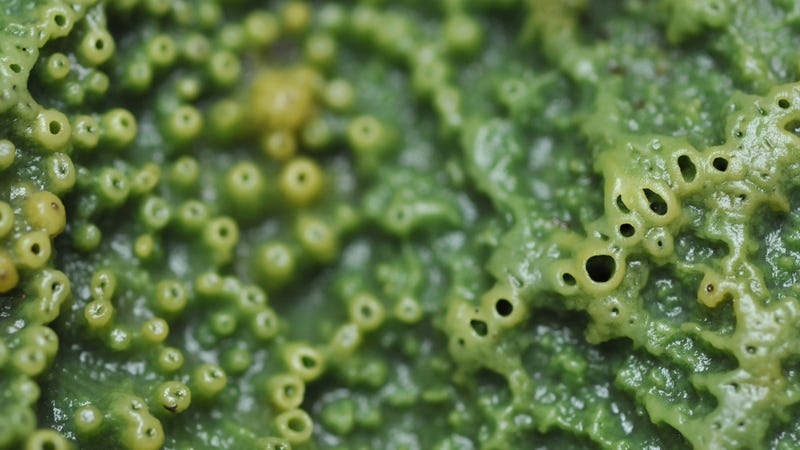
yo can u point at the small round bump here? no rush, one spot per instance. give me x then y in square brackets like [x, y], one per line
[88, 420]
[169, 359]
[295, 425]
[52, 130]
[96, 47]
[171, 297]
[9, 277]
[61, 173]
[118, 127]
[208, 380]
[7, 154]
[301, 181]
[85, 132]
[33, 250]
[155, 330]
[6, 219]
[173, 396]
[44, 211]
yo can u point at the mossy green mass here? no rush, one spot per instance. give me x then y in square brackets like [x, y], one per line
[447, 225]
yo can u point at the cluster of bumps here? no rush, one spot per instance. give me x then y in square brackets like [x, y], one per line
[302, 225]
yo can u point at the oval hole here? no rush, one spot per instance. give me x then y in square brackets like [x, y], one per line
[568, 279]
[621, 205]
[720, 164]
[601, 268]
[657, 203]
[479, 327]
[687, 168]
[793, 127]
[783, 103]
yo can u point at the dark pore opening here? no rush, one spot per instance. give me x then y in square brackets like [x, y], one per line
[601, 268]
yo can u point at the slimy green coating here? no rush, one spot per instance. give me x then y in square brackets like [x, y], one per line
[481, 224]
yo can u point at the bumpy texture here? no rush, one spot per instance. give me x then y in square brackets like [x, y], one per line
[462, 224]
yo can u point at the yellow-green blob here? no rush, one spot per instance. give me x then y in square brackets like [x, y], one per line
[281, 100]
[274, 262]
[145, 179]
[173, 396]
[88, 420]
[113, 186]
[184, 172]
[265, 325]
[58, 20]
[33, 250]
[98, 314]
[462, 34]
[138, 429]
[155, 330]
[170, 297]
[7, 154]
[47, 440]
[301, 181]
[6, 219]
[9, 277]
[262, 28]
[408, 310]
[296, 16]
[169, 359]
[44, 211]
[339, 94]
[295, 426]
[207, 381]
[184, 124]
[366, 312]
[85, 132]
[220, 235]
[86, 237]
[286, 391]
[61, 173]
[118, 127]
[304, 361]
[161, 50]
[51, 130]
[224, 68]
[96, 47]
[245, 186]
[57, 67]
[317, 239]
[279, 144]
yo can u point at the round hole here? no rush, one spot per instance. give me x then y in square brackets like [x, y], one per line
[601, 268]
[297, 424]
[627, 230]
[568, 279]
[504, 307]
[55, 127]
[783, 103]
[720, 164]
